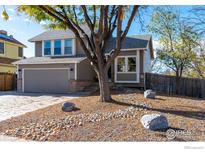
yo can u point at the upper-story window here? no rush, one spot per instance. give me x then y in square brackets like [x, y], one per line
[57, 47]
[20, 52]
[68, 47]
[47, 47]
[1, 48]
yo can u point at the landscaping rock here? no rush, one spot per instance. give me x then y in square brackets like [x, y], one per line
[154, 121]
[149, 94]
[67, 107]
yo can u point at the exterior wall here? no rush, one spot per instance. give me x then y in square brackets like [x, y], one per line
[76, 85]
[85, 71]
[141, 61]
[128, 53]
[38, 49]
[71, 66]
[11, 50]
[126, 77]
[7, 68]
[79, 49]
[147, 61]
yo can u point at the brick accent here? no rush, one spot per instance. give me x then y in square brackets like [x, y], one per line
[78, 85]
[19, 85]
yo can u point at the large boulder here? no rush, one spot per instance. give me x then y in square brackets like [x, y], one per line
[154, 121]
[149, 94]
[67, 107]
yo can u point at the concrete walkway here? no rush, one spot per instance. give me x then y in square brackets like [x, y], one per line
[4, 138]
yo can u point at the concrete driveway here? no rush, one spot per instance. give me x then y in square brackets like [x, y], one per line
[14, 104]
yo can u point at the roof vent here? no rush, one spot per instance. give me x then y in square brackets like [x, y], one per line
[3, 32]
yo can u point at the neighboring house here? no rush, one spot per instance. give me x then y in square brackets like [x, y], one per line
[60, 65]
[11, 50]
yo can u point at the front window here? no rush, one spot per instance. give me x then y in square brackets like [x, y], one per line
[1, 48]
[20, 52]
[126, 64]
[47, 47]
[131, 64]
[57, 47]
[121, 64]
[68, 47]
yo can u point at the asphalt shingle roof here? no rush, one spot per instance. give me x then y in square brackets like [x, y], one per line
[130, 42]
[57, 34]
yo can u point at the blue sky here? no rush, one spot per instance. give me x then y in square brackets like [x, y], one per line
[22, 28]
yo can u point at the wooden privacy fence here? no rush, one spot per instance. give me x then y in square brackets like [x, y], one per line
[166, 84]
[7, 81]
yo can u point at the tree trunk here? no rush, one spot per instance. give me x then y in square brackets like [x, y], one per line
[177, 83]
[104, 86]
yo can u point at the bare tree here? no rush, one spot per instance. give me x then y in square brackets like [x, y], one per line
[102, 21]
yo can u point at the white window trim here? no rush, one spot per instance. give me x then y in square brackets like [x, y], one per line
[126, 72]
[76, 69]
[43, 48]
[24, 69]
[62, 48]
[73, 48]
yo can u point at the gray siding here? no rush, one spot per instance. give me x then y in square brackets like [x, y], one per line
[72, 66]
[38, 49]
[46, 81]
[141, 61]
[128, 53]
[79, 49]
[126, 77]
[85, 71]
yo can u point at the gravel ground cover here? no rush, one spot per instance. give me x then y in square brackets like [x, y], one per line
[116, 121]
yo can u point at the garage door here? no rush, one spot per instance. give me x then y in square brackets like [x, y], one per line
[46, 80]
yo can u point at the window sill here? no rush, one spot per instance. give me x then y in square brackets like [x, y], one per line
[126, 72]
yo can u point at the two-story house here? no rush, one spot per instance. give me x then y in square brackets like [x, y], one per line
[60, 64]
[11, 50]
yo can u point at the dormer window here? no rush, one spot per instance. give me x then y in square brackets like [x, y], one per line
[68, 47]
[47, 48]
[1, 48]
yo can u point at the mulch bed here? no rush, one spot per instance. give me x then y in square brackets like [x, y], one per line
[116, 121]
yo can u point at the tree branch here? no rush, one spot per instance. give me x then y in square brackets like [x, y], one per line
[132, 16]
